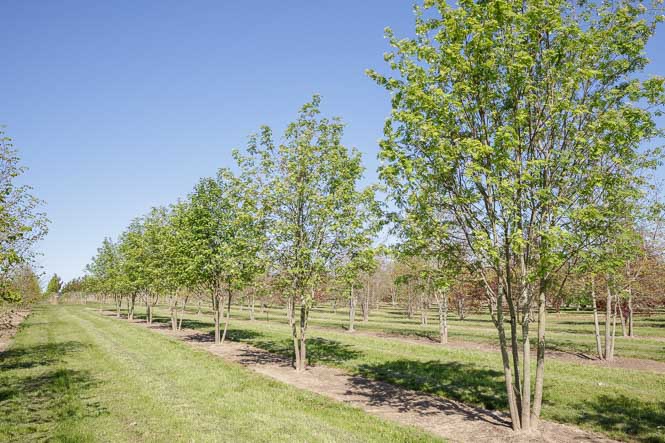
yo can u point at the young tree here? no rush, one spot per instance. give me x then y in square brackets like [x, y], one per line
[526, 118]
[223, 232]
[310, 185]
[108, 275]
[360, 261]
[136, 251]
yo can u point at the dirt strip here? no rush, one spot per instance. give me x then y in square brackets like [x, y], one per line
[451, 420]
[9, 324]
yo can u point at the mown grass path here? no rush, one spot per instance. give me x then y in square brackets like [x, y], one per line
[73, 375]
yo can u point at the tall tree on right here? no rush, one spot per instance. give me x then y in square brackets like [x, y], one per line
[528, 120]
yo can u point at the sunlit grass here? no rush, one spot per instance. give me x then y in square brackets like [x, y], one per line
[625, 404]
[73, 375]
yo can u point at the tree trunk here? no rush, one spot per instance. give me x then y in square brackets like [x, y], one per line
[624, 331]
[352, 310]
[228, 316]
[304, 316]
[608, 323]
[423, 309]
[540, 360]
[460, 308]
[294, 331]
[507, 373]
[631, 330]
[526, 374]
[253, 304]
[366, 305]
[599, 348]
[217, 310]
[130, 312]
[614, 331]
[182, 313]
[442, 303]
[174, 313]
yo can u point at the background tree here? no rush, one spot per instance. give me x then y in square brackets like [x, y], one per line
[54, 285]
[25, 284]
[21, 222]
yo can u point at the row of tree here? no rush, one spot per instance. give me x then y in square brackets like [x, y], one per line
[293, 216]
[514, 157]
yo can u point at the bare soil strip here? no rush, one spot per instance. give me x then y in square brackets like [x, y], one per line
[451, 420]
[9, 323]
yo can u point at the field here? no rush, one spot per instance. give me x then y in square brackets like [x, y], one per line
[623, 403]
[75, 374]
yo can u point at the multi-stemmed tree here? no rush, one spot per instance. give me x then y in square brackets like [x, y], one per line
[526, 118]
[223, 232]
[310, 189]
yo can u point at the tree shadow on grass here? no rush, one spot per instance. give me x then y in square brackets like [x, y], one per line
[35, 404]
[651, 323]
[453, 380]
[239, 335]
[24, 357]
[642, 421]
[37, 394]
[319, 350]
[162, 320]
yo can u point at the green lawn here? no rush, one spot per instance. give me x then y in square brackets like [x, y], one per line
[624, 404]
[73, 375]
[568, 331]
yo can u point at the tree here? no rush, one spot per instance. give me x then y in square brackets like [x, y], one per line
[21, 222]
[309, 185]
[526, 118]
[25, 284]
[108, 272]
[54, 285]
[223, 231]
[360, 260]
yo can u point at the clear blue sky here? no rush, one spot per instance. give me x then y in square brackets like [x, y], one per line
[119, 106]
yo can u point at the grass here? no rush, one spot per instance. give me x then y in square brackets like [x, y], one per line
[568, 331]
[72, 375]
[624, 404]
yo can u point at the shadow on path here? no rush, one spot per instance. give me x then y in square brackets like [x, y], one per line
[643, 421]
